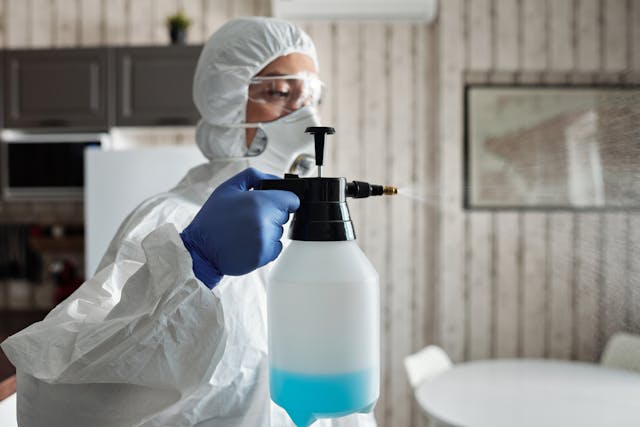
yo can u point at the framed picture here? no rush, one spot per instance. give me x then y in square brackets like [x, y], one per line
[552, 147]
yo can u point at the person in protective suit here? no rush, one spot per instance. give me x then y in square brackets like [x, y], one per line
[171, 330]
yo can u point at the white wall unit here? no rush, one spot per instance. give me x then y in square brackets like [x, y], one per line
[380, 10]
[110, 197]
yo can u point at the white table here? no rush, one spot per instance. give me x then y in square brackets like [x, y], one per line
[527, 393]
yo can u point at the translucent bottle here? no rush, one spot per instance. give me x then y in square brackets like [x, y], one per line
[323, 303]
[324, 335]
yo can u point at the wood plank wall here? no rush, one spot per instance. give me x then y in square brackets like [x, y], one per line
[531, 284]
[480, 284]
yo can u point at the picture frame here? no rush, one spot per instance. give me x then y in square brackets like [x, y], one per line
[551, 146]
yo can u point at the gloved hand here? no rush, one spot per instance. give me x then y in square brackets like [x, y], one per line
[237, 230]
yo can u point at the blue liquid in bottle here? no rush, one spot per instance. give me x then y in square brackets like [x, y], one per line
[307, 397]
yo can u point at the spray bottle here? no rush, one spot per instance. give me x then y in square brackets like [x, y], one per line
[323, 303]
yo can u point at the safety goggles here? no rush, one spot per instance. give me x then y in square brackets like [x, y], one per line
[287, 93]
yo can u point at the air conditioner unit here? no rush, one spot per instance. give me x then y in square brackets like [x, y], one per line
[379, 10]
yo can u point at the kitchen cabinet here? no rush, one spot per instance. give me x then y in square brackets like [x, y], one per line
[153, 85]
[57, 88]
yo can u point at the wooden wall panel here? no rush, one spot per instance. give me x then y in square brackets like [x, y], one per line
[428, 178]
[587, 16]
[41, 24]
[65, 25]
[451, 293]
[215, 13]
[587, 279]
[534, 284]
[114, 25]
[3, 18]
[478, 21]
[479, 286]
[422, 295]
[400, 274]
[506, 38]
[559, 297]
[560, 16]
[262, 7]
[507, 294]
[634, 39]
[140, 28]
[534, 31]
[374, 135]
[241, 8]
[91, 23]
[615, 34]
[533, 276]
[614, 263]
[505, 252]
[478, 278]
[16, 24]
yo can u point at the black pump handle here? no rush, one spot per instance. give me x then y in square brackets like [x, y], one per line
[318, 133]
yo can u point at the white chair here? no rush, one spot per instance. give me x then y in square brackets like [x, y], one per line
[622, 351]
[425, 365]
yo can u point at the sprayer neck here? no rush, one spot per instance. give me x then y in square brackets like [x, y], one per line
[323, 214]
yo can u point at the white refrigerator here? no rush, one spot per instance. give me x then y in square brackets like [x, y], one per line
[118, 181]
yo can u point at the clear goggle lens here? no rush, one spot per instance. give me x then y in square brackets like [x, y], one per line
[286, 93]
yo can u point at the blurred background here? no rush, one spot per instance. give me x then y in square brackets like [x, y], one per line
[481, 283]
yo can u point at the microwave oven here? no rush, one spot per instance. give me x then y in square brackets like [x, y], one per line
[37, 166]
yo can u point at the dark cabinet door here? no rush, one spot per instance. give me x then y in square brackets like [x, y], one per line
[57, 88]
[154, 86]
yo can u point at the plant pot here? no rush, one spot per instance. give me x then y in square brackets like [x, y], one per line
[178, 35]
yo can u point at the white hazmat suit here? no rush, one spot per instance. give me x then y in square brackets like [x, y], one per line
[144, 342]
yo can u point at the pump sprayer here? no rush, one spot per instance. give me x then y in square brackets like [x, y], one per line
[323, 302]
[323, 214]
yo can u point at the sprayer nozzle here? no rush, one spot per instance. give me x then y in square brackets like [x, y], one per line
[360, 189]
[387, 190]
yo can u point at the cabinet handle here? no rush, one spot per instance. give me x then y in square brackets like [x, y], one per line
[51, 123]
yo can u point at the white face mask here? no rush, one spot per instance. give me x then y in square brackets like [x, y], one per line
[283, 146]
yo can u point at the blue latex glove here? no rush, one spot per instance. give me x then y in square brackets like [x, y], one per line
[237, 230]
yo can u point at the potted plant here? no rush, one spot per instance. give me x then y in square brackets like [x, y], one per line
[178, 25]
